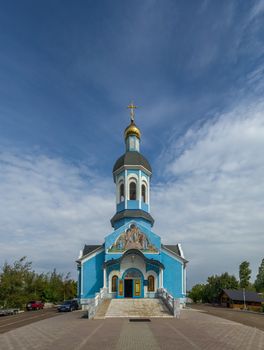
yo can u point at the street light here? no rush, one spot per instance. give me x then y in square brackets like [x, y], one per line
[244, 297]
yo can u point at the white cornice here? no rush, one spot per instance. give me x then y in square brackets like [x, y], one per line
[91, 255]
[173, 254]
[138, 167]
[180, 249]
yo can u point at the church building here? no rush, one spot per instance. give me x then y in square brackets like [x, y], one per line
[132, 262]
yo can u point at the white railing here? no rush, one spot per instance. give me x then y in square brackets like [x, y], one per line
[90, 305]
[172, 303]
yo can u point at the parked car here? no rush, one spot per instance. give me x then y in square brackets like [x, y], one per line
[68, 305]
[7, 312]
[35, 305]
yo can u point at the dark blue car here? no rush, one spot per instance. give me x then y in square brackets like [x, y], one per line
[68, 305]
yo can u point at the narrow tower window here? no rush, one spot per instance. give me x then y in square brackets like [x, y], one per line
[121, 193]
[114, 284]
[143, 193]
[151, 287]
[132, 191]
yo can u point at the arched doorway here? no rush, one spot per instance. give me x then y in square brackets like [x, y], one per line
[133, 283]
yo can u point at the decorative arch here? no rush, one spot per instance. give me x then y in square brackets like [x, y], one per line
[132, 273]
[143, 193]
[110, 276]
[144, 190]
[121, 192]
[132, 190]
[132, 186]
[114, 283]
[151, 283]
[132, 238]
[156, 278]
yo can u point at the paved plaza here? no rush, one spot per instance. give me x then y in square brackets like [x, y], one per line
[194, 330]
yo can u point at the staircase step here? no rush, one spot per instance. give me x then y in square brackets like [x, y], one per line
[138, 308]
[102, 309]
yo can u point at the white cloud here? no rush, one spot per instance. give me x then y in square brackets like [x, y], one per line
[214, 197]
[257, 9]
[49, 209]
[211, 199]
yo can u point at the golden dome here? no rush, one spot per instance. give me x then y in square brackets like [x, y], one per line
[132, 129]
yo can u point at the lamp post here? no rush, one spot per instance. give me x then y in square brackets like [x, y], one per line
[244, 298]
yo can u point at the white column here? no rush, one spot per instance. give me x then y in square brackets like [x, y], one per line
[126, 189]
[104, 277]
[161, 278]
[148, 194]
[185, 280]
[81, 280]
[182, 279]
[139, 188]
[117, 190]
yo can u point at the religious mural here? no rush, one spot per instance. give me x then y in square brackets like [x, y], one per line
[132, 238]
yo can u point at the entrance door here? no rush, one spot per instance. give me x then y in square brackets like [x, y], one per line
[129, 288]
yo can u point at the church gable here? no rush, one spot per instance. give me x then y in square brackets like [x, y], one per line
[132, 236]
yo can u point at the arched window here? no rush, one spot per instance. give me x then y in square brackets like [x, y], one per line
[132, 191]
[114, 283]
[121, 193]
[143, 194]
[151, 286]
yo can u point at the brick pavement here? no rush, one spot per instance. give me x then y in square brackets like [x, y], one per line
[194, 330]
[252, 319]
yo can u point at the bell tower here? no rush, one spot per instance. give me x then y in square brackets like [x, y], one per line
[132, 173]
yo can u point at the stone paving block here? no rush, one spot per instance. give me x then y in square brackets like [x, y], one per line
[194, 330]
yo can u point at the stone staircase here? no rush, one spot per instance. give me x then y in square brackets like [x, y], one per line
[134, 308]
[102, 309]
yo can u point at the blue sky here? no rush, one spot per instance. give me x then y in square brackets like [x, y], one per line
[68, 69]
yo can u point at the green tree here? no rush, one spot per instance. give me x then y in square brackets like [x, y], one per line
[54, 289]
[70, 287]
[259, 282]
[19, 283]
[197, 293]
[244, 274]
[59, 287]
[216, 283]
[13, 280]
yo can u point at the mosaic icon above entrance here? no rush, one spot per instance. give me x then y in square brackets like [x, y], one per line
[132, 238]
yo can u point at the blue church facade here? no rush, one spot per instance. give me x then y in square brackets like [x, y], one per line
[132, 262]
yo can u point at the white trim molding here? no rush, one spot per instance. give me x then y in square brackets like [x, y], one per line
[173, 255]
[156, 280]
[91, 255]
[110, 276]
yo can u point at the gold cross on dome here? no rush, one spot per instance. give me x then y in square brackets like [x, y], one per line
[132, 112]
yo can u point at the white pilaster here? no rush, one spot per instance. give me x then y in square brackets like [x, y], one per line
[126, 189]
[117, 190]
[185, 280]
[148, 201]
[139, 188]
[161, 278]
[81, 280]
[182, 279]
[104, 277]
